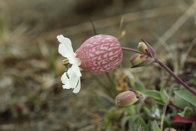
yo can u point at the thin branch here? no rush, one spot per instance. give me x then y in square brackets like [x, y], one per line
[132, 50]
[178, 79]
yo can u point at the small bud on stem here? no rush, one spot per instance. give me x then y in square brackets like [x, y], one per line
[128, 98]
[145, 49]
[142, 47]
[138, 60]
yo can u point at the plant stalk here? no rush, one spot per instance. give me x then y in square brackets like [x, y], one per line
[164, 66]
[178, 79]
[132, 50]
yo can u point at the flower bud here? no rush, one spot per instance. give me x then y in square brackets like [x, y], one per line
[138, 60]
[150, 50]
[126, 98]
[100, 54]
[141, 97]
[142, 47]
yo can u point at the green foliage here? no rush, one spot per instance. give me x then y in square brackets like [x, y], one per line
[156, 95]
[138, 86]
[155, 126]
[186, 95]
[147, 116]
[187, 112]
[162, 102]
[181, 102]
[164, 95]
[128, 118]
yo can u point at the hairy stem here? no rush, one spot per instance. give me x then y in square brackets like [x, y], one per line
[178, 79]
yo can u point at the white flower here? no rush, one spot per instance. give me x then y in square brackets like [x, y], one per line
[71, 78]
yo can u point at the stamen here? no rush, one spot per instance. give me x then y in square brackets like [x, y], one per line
[65, 61]
[66, 64]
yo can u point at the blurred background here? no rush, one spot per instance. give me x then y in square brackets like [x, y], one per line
[31, 94]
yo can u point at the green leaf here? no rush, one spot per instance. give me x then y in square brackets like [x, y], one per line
[124, 121]
[181, 102]
[146, 109]
[130, 110]
[187, 112]
[186, 95]
[133, 122]
[138, 107]
[164, 95]
[155, 126]
[143, 125]
[137, 123]
[154, 94]
[138, 86]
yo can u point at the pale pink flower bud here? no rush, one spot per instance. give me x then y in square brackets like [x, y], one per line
[100, 53]
[126, 98]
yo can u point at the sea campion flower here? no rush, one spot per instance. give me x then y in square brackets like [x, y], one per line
[98, 54]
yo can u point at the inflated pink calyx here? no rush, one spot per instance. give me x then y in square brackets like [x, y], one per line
[100, 54]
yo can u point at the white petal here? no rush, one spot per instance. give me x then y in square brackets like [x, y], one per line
[66, 87]
[75, 70]
[77, 61]
[65, 80]
[77, 88]
[74, 75]
[71, 78]
[66, 50]
[65, 41]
